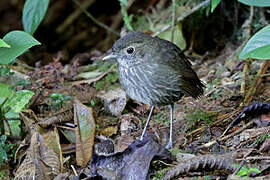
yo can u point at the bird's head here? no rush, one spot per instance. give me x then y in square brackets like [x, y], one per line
[130, 50]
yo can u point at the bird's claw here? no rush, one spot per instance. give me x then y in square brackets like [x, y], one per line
[169, 145]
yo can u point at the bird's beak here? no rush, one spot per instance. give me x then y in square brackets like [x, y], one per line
[110, 56]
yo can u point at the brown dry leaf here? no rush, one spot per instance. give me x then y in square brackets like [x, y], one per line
[129, 124]
[52, 139]
[41, 162]
[114, 101]
[123, 142]
[29, 118]
[84, 132]
[64, 115]
[265, 147]
[109, 131]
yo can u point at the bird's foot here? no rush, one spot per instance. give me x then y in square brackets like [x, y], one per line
[169, 145]
[142, 136]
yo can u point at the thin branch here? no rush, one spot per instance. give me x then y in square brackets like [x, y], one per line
[95, 20]
[72, 17]
[209, 144]
[258, 79]
[173, 19]
[180, 18]
[247, 24]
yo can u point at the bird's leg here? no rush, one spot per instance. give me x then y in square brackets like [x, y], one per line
[170, 143]
[147, 122]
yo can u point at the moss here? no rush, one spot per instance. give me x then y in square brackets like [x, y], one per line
[200, 116]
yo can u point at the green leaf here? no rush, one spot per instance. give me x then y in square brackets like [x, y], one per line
[123, 2]
[19, 100]
[126, 17]
[258, 46]
[5, 91]
[33, 13]
[242, 173]
[179, 38]
[15, 127]
[260, 3]
[3, 155]
[214, 4]
[254, 170]
[4, 44]
[19, 42]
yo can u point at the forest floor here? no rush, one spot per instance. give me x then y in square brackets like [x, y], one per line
[80, 112]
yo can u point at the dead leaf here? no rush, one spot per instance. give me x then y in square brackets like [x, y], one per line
[114, 101]
[52, 139]
[129, 123]
[132, 163]
[41, 162]
[84, 132]
[265, 146]
[109, 131]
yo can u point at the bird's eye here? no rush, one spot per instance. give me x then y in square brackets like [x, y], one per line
[130, 50]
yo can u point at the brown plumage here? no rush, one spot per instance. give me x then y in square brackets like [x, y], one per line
[154, 71]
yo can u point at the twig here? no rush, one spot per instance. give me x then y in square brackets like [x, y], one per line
[95, 20]
[239, 167]
[180, 18]
[74, 170]
[222, 119]
[250, 20]
[244, 77]
[257, 80]
[247, 24]
[8, 126]
[2, 116]
[258, 158]
[72, 17]
[173, 19]
[118, 17]
[226, 137]
[243, 161]
[89, 81]
[265, 75]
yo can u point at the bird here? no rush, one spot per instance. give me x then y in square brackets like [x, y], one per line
[155, 72]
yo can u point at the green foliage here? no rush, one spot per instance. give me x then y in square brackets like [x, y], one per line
[18, 101]
[214, 4]
[161, 118]
[5, 91]
[260, 139]
[4, 44]
[245, 172]
[92, 103]
[123, 2]
[200, 116]
[258, 46]
[11, 104]
[207, 177]
[5, 70]
[108, 82]
[159, 175]
[174, 151]
[59, 99]
[179, 38]
[33, 13]
[260, 3]
[6, 150]
[19, 42]
[127, 18]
